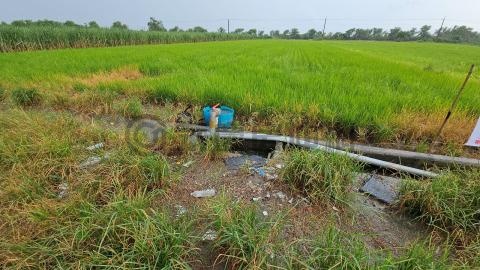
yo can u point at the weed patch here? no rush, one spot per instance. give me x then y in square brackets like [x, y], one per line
[321, 176]
[215, 147]
[26, 97]
[245, 239]
[450, 202]
[130, 108]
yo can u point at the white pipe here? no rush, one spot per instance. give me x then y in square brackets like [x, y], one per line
[311, 145]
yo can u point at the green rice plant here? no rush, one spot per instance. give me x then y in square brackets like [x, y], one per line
[131, 108]
[320, 176]
[26, 97]
[278, 78]
[80, 87]
[2, 94]
[215, 147]
[245, 239]
[450, 202]
[125, 233]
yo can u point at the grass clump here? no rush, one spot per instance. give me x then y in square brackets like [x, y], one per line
[155, 169]
[245, 238]
[130, 108]
[125, 233]
[215, 147]
[319, 175]
[175, 143]
[2, 94]
[450, 202]
[26, 97]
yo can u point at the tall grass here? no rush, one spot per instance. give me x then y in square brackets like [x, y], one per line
[13, 38]
[321, 176]
[450, 202]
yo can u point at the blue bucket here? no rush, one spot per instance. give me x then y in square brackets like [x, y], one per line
[225, 119]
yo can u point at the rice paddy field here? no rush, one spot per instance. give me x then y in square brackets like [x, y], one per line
[75, 194]
[377, 91]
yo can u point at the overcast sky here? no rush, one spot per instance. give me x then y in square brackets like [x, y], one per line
[261, 14]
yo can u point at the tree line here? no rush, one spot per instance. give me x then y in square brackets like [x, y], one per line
[456, 34]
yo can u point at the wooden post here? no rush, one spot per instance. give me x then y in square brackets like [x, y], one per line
[454, 103]
[441, 28]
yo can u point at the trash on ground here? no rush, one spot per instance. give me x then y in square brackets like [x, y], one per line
[265, 213]
[180, 210]
[385, 189]
[187, 164]
[260, 171]
[209, 235]
[204, 193]
[256, 199]
[91, 161]
[95, 146]
[236, 162]
[280, 195]
[63, 190]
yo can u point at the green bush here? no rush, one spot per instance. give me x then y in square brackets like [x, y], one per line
[320, 175]
[26, 97]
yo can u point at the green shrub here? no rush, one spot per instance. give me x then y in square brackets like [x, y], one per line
[451, 201]
[26, 97]
[131, 108]
[320, 175]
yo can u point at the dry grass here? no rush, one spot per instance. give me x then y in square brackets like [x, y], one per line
[418, 126]
[117, 75]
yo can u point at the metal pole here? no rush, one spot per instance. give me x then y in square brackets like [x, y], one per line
[324, 24]
[228, 26]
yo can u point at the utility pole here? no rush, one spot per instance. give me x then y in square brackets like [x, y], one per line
[441, 28]
[228, 26]
[324, 24]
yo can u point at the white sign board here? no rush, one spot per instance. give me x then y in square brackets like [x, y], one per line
[474, 140]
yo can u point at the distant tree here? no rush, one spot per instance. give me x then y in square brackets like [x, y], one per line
[459, 34]
[70, 24]
[349, 33]
[275, 34]
[119, 25]
[362, 34]
[286, 34]
[311, 34]
[252, 32]
[155, 25]
[261, 33]
[238, 30]
[175, 29]
[424, 33]
[21, 23]
[221, 30]
[378, 34]
[294, 33]
[93, 24]
[199, 29]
